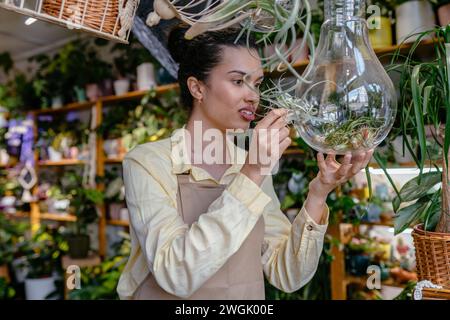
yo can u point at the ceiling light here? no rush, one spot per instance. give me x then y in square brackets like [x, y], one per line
[30, 21]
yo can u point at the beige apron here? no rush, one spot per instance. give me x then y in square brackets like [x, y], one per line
[240, 278]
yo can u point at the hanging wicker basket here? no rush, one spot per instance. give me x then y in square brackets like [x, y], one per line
[432, 256]
[110, 19]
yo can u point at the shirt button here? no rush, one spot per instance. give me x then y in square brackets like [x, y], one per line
[309, 227]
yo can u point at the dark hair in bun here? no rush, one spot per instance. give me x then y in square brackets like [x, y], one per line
[198, 56]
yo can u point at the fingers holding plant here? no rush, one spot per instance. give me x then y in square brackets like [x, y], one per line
[270, 138]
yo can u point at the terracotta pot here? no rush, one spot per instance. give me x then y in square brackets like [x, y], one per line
[444, 14]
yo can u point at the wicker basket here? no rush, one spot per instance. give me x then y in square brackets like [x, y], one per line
[95, 13]
[432, 256]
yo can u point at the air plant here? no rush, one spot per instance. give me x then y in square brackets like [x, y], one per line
[356, 132]
[275, 21]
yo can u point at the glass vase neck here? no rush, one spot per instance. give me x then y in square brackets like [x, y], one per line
[344, 9]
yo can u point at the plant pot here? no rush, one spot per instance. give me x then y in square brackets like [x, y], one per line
[432, 255]
[146, 76]
[398, 150]
[106, 87]
[4, 273]
[413, 17]
[444, 14]
[57, 102]
[38, 289]
[111, 148]
[20, 268]
[60, 206]
[114, 211]
[381, 36]
[78, 246]
[121, 86]
[93, 91]
[54, 155]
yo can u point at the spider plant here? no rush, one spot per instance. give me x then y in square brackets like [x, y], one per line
[425, 100]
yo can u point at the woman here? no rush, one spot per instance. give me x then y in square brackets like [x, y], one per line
[203, 229]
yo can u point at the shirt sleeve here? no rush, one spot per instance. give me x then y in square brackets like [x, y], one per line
[182, 258]
[291, 252]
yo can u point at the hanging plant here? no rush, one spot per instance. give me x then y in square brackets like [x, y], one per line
[275, 22]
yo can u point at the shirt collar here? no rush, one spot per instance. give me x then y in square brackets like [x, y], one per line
[180, 155]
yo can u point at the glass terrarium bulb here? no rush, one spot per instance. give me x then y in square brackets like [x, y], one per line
[348, 103]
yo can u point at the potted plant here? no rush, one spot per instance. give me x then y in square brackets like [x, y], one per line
[358, 255]
[97, 72]
[111, 130]
[83, 205]
[43, 263]
[131, 60]
[413, 17]
[100, 282]
[425, 90]
[114, 193]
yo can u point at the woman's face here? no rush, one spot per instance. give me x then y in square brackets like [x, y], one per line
[228, 101]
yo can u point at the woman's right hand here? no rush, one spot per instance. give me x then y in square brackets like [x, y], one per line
[270, 139]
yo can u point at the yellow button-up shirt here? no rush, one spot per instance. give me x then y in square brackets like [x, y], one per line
[173, 252]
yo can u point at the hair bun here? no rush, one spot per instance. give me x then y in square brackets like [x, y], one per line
[177, 44]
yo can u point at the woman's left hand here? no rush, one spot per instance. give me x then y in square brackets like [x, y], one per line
[332, 173]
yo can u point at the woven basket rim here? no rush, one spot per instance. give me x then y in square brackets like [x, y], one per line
[419, 229]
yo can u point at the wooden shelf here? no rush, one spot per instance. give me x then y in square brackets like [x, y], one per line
[75, 106]
[138, 94]
[65, 162]
[78, 106]
[18, 214]
[301, 65]
[113, 160]
[64, 217]
[123, 223]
